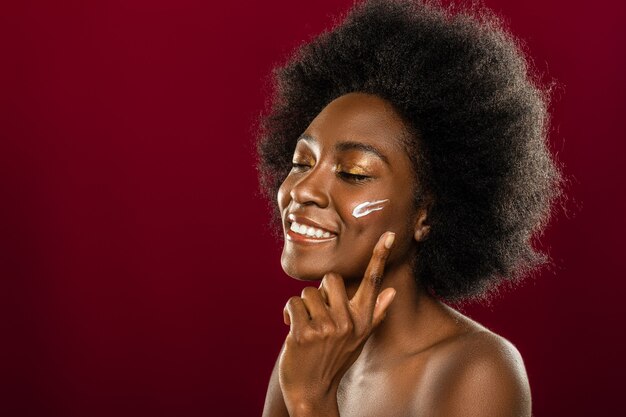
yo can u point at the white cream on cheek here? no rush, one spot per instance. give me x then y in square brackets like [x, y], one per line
[368, 207]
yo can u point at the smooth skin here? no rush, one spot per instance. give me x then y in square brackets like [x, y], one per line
[370, 341]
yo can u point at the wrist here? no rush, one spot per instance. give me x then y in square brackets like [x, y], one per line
[313, 405]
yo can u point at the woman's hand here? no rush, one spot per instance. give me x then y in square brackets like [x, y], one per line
[327, 334]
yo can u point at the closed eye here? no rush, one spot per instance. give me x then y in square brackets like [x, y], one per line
[346, 176]
[353, 177]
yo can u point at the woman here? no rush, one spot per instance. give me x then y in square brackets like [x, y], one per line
[406, 152]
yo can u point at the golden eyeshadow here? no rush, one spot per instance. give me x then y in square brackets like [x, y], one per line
[355, 169]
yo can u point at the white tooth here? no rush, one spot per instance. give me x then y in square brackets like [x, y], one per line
[318, 233]
[302, 229]
[294, 227]
[310, 231]
[326, 234]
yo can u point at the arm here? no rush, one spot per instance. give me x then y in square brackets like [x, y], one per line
[274, 401]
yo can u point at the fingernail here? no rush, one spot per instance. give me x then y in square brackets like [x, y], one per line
[389, 240]
[389, 298]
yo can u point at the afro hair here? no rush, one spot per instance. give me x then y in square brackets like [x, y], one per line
[475, 111]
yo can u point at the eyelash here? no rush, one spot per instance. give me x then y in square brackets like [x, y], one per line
[353, 177]
[356, 178]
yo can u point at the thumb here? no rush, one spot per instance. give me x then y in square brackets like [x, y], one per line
[286, 318]
[383, 302]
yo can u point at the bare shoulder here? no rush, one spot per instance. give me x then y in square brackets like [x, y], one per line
[477, 373]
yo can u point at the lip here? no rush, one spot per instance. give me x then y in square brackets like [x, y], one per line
[306, 240]
[291, 217]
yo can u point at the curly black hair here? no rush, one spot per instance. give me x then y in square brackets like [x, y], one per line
[474, 109]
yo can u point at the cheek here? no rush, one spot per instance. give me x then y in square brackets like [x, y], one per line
[368, 207]
[375, 216]
[371, 216]
[362, 233]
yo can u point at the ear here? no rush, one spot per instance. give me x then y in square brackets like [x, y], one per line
[421, 225]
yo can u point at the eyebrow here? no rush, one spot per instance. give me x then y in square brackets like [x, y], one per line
[349, 145]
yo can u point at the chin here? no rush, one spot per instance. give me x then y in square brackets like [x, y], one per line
[315, 272]
[301, 272]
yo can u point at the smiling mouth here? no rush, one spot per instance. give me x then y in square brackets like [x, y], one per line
[302, 233]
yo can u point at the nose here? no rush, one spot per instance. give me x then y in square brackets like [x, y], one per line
[312, 188]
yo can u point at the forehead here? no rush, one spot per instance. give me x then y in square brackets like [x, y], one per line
[359, 117]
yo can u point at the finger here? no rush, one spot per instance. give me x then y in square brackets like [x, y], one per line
[369, 288]
[323, 292]
[383, 301]
[295, 314]
[314, 303]
[335, 289]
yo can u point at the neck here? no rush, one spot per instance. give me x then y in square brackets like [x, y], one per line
[414, 320]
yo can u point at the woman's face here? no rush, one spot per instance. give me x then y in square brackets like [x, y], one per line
[351, 153]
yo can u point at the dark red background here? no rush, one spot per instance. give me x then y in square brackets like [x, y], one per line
[137, 273]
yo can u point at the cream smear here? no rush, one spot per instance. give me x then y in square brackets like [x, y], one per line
[368, 207]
